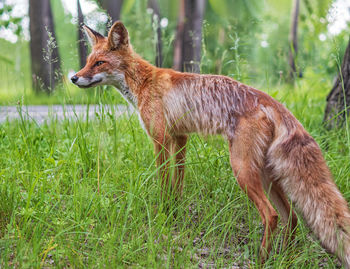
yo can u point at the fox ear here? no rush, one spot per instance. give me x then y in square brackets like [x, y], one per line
[92, 35]
[118, 36]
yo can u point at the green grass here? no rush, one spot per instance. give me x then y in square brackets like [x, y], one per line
[84, 193]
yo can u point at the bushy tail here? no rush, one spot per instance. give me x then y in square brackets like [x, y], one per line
[298, 165]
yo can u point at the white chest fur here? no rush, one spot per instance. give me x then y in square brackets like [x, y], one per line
[120, 84]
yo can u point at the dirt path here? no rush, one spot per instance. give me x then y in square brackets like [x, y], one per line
[43, 113]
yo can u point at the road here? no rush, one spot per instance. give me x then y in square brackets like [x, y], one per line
[42, 113]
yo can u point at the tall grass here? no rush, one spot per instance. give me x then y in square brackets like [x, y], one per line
[84, 193]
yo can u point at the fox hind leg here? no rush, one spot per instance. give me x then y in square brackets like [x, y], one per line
[249, 179]
[248, 148]
[281, 203]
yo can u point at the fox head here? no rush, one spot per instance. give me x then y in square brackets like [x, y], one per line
[108, 60]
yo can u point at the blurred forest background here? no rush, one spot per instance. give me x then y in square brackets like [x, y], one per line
[270, 44]
[82, 191]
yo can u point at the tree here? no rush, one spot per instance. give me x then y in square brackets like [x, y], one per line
[187, 51]
[154, 5]
[293, 39]
[338, 100]
[177, 61]
[81, 41]
[113, 8]
[45, 60]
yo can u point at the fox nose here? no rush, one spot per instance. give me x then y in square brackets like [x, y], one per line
[74, 79]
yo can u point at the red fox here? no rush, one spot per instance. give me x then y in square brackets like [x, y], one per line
[271, 154]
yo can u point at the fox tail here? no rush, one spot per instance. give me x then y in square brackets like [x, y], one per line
[297, 163]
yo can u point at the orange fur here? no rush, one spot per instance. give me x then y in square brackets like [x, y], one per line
[270, 152]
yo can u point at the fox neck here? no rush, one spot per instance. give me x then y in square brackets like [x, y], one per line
[120, 83]
[134, 79]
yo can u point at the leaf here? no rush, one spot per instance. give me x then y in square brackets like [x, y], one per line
[8, 8]
[51, 160]
[18, 30]
[6, 60]
[253, 8]
[127, 5]
[16, 20]
[219, 7]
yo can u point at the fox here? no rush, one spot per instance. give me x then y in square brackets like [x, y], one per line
[273, 158]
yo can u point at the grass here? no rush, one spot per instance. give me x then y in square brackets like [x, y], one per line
[84, 193]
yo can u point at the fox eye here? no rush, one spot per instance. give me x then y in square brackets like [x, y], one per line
[98, 63]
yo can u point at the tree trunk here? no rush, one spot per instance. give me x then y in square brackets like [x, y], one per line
[338, 100]
[177, 60]
[113, 8]
[81, 41]
[154, 5]
[190, 35]
[293, 40]
[45, 61]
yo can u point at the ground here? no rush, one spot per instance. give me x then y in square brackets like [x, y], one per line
[84, 192]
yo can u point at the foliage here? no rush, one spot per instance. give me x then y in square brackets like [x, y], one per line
[67, 37]
[247, 40]
[7, 20]
[84, 192]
